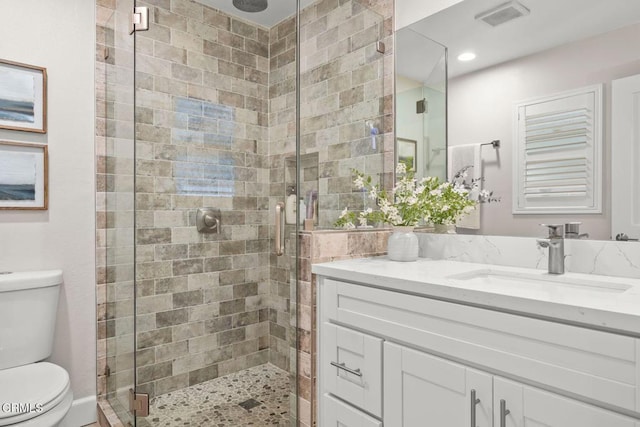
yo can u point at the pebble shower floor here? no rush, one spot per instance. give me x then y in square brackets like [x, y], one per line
[217, 403]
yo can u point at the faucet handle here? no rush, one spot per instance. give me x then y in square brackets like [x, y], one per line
[555, 230]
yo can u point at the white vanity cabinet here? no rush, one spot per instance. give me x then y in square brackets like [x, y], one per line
[398, 360]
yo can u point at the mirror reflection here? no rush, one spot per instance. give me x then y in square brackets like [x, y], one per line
[555, 83]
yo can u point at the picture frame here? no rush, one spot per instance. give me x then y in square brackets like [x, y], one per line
[408, 152]
[23, 97]
[24, 171]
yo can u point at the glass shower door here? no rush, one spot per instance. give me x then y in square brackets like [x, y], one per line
[212, 311]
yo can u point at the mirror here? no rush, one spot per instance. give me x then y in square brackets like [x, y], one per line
[540, 82]
[421, 93]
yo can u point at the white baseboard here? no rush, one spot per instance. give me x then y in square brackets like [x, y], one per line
[83, 412]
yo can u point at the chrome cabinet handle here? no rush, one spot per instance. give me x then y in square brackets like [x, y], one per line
[474, 402]
[279, 238]
[503, 413]
[345, 368]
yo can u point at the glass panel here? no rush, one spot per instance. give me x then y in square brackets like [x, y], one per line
[342, 105]
[215, 93]
[116, 206]
[421, 103]
[342, 123]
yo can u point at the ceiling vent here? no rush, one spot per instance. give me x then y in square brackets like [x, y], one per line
[504, 13]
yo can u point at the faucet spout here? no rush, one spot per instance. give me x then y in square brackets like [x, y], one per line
[555, 243]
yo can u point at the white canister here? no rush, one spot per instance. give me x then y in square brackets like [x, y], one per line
[403, 245]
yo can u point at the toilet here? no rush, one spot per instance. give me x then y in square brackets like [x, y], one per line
[32, 393]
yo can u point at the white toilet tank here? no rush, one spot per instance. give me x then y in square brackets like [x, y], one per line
[28, 306]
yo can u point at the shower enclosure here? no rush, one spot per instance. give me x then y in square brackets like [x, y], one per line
[220, 109]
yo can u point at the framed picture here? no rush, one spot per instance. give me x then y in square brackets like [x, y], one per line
[23, 176]
[23, 97]
[408, 152]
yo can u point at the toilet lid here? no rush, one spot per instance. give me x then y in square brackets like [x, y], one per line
[30, 390]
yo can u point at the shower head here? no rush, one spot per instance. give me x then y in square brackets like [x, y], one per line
[250, 5]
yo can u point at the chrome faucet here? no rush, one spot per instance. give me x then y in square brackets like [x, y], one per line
[555, 243]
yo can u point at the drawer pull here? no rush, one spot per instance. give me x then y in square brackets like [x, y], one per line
[344, 368]
[503, 413]
[474, 402]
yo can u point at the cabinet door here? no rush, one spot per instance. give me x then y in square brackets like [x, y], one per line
[531, 407]
[424, 390]
[339, 414]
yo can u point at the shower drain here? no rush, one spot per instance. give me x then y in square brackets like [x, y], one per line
[249, 404]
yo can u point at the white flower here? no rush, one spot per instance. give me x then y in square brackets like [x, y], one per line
[359, 182]
[436, 192]
[344, 213]
[444, 208]
[362, 220]
[373, 194]
[349, 226]
[401, 169]
[445, 185]
[460, 190]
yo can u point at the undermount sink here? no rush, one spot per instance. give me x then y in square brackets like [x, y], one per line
[490, 278]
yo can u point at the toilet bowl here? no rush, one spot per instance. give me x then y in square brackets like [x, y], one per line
[33, 393]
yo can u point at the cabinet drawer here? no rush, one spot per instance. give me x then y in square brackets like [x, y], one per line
[594, 364]
[351, 363]
[339, 414]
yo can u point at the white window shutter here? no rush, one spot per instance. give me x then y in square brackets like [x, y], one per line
[557, 156]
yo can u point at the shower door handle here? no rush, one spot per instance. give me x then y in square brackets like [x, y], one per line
[279, 238]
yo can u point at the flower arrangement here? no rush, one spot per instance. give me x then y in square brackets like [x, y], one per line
[410, 202]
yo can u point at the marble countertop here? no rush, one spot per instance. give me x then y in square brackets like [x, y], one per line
[611, 304]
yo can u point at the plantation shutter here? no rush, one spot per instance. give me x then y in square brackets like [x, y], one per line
[558, 154]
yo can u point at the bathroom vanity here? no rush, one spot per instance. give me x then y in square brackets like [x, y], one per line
[452, 344]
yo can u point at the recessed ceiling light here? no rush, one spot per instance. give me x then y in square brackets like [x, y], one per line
[466, 56]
